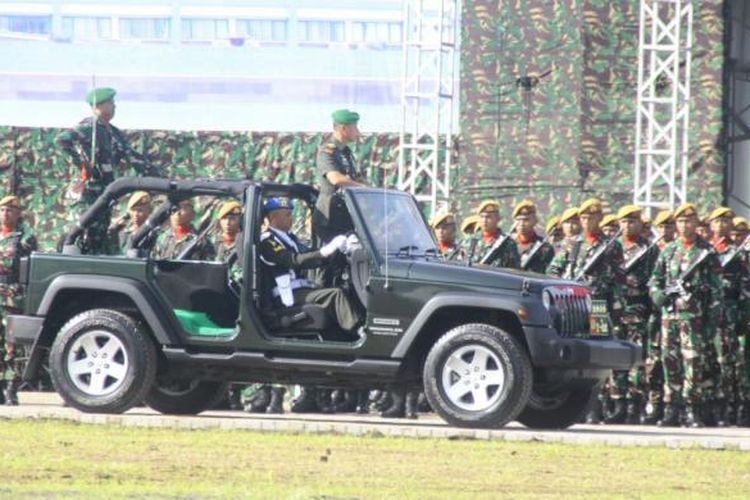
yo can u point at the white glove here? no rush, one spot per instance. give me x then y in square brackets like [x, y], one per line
[352, 243]
[337, 244]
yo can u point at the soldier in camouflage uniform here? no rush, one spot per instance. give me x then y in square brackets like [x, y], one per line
[90, 176]
[16, 241]
[489, 217]
[570, 224]
[689, 317]
[139, 208]
[609, 225]
[444, 225]
[735, 282]
[535, 252]
[654, 410]
[704, 229]
[639, 259]
[739, 230]
[604, 276]
[171, 243]
[554, 232]
[739, 238]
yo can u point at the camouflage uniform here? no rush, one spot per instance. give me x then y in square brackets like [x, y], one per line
[169, 246]
[687, 322]
[507, 256]
[111, 150]
[454, 251]
[13, 246]
[541, 258]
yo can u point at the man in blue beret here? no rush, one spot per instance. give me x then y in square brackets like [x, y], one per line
[91, 174]
[336, 170]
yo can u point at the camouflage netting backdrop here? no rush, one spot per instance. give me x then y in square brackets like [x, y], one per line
[568, 132]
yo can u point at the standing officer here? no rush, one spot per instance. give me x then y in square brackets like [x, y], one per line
[535, 252]
[91, 175]
[336, 170]
[171, 243]
[16, 241]
[139, 208]
[638, 264]
[444, 225]
[489, 217]
[686, 286]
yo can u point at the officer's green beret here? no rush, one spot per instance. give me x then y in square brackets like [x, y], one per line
[100, 95]
[344, 117]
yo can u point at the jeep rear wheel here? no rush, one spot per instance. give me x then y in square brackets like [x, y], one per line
[102, 362]
[558, 411]
[477, 375]
[185, 397]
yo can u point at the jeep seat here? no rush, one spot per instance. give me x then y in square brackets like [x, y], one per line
[290, 321]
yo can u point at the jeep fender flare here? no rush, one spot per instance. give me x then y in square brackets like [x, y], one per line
[471, 300]
[156, 317]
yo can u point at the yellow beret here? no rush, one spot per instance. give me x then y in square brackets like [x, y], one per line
[721, 212]
[629, 210]
[608, 220]
[138, 197]
[468, 225]
[592, 205]
[228, 208]
[527, 206]
[487, 204]
[552, 223]
[440, 218]
[685, 210]
[663, 217]
[10, 201]
[739, 221]
[569, 214]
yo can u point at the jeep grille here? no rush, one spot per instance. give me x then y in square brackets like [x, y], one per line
[570, 309]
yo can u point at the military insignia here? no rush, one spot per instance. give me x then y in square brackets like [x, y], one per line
[329, 148]
[276, 246]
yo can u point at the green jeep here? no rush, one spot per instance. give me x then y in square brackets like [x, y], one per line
[486, 345]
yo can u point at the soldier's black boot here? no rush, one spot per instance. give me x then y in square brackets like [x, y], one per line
[305, 402]
[11, 393]
[323, 401]
[276, 405]
[671, 416]
[344, 401]
[233, 397]
[423, 406]
[410, 409]
[633, 412]
[259, 402]
[383, 401]
[594, 415]
[743, 415]
[730, 414]
[618, 413]
[713, 413]
[652, 414]
[692, 416]
[398, 406]
[363, 402]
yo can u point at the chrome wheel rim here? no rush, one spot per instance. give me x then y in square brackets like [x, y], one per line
[97, 363]
[473, 378]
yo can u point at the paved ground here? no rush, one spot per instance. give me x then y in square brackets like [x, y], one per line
[48, 405]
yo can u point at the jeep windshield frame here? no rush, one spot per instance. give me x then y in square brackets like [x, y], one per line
[404, 232]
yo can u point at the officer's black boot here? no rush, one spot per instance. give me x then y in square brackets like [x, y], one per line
[276, 405]
[259, 402]
[363, 402]
[410, 410]
[633, 412]
[398, 406]
[618, 413]
[692, 416]
[11, 393]
[671, 416]
[305, 402]
[323, 401]
[656, 413]
[594, 415]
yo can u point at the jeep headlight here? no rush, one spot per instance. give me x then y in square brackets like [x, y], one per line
[547, 299]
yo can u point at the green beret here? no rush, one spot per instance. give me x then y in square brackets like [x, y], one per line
[344, 117]
[100, 95]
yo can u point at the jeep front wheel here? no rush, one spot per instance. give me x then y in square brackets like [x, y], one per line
[102, 362]
[558, 411]
[184, 397]
[477, 375]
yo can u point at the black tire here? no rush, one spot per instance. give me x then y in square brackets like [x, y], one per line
[185, 397]
[122, 362]
[558, 411]
[504, 358]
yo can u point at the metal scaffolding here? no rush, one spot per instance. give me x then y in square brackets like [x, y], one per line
[664, 58]
[429, 64]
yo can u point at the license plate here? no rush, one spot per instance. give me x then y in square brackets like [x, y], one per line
[601, 325]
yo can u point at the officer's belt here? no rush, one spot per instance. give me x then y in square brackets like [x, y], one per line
[294, 285]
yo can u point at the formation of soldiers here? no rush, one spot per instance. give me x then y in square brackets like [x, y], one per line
[684, 296]
[678, 285]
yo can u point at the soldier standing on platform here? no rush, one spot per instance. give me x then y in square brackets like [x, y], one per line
[506, 255]
[535, 252]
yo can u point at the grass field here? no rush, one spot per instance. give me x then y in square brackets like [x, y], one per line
[49, 458]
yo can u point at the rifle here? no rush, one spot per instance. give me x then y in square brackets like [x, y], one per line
[205, 226]
[737, 251]
[529, 257]
[629, 265]
[594, 260]
[495, 248]
[677, 288]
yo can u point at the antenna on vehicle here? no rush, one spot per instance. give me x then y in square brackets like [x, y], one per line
[92, 158]
[387, 284]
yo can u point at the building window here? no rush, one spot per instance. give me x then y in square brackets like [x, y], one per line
[205, 29]
[376, 32]
[87, 28]
[38, 25]
[263, 30]
[144, 28]
[322, 31]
